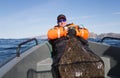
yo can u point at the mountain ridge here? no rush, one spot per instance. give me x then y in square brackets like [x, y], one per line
[102, 35]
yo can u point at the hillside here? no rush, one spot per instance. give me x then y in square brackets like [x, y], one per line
[94, 35]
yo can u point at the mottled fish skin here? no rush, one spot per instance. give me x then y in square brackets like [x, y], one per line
[77, 62]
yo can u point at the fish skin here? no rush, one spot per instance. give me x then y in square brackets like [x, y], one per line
[77, 62]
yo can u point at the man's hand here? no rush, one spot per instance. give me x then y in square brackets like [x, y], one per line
[71, 31]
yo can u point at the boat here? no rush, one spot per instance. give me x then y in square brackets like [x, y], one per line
[36, 61]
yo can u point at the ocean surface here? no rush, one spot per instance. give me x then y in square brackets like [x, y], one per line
[8, 47]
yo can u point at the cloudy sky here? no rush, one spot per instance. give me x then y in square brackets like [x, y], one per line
[29, 18]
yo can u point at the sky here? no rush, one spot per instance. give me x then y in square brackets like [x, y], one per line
[30, 18]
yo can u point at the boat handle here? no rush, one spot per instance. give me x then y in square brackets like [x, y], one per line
[109, 38]
[25, 42]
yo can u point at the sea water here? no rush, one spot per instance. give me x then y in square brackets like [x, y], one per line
[8, 47]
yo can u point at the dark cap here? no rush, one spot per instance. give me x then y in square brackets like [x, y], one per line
[61, 16]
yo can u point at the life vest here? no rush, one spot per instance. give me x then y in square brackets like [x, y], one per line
[58, 32]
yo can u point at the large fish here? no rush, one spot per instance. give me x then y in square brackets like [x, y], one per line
[78, 62]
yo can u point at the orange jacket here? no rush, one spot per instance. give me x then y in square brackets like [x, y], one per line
[58, 32]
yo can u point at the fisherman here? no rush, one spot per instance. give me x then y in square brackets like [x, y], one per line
[61, 29]
[57, 36]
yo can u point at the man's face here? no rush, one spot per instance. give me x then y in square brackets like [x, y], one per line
[62, 22]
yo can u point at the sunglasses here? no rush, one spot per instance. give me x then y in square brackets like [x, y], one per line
[62, 20]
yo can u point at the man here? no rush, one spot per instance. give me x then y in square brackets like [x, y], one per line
[57, 38]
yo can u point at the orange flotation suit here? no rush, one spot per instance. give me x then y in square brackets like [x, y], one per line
[58, 32]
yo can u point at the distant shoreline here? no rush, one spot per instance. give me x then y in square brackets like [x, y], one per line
[94, 35]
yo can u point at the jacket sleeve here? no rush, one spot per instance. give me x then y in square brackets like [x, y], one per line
[82, 32]
[56, 32]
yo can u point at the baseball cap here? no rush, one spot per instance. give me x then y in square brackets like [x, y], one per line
[61, 16]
